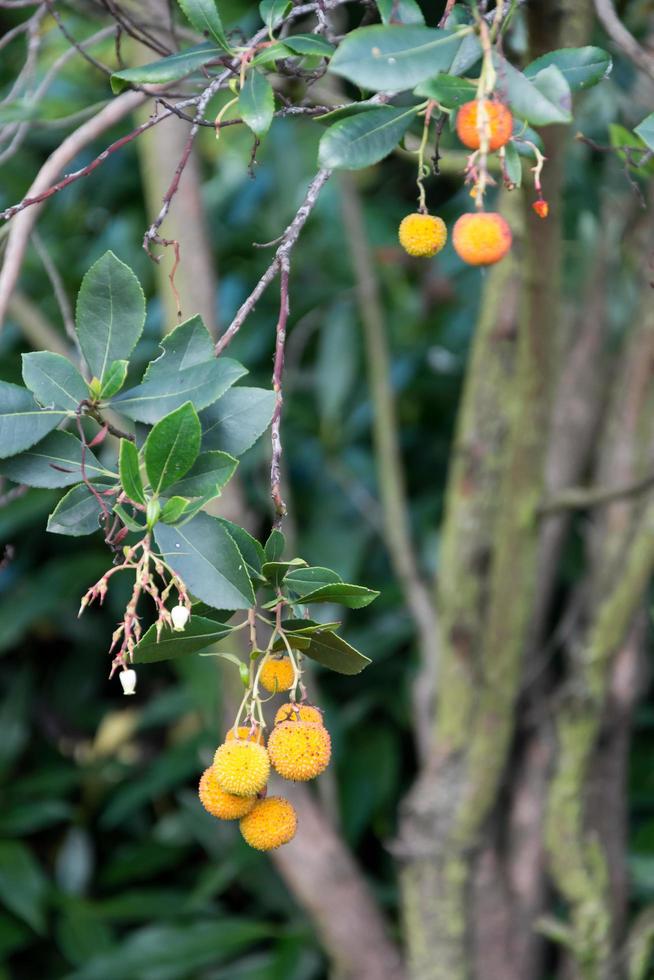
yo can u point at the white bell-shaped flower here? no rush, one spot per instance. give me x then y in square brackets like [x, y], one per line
[180, 617]
[128, 680]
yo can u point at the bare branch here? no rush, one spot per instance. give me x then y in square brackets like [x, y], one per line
[623, 38]
[578, 498]
[280, 341]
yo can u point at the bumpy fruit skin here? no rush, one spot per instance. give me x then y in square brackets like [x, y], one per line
[220, 804]
[298, 712]
[299, 750]
[271, 823]
[500, 124]
[277, 674]
[481, 239]
[241, 768]
[246, 734]
[422, 235]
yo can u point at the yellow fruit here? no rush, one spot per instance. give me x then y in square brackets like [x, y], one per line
[481, 239]
[271, 823]
[500, 124]
[298, 712]
[247, 734]
[422, 235]
[277, 674]
[220, 804]
[299, 750]
[241, 767]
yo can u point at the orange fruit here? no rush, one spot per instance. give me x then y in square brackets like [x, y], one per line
[500, 124]
[481, 238]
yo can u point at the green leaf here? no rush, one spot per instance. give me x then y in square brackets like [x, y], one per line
[237, 420]
[363, 139]
[303, 580]
[198, 634]
[164, 392]
[531, 99]
[274, 52]
[114, 379]
[274, 571]
[332, 651]
[55, 461]
[205, 557]
[400, 12]
[173, 509]
[395, 57]
[54, 381]
[204, 16]
[274, 546]
[447, 90]
[110, 313]
[513, 164]
[208, 475]
[581, 67]
[309, 45]
[168, 69]
[352, 596]
[23, 885]
[77, 513]
[621, 137]
[187, 345]
[130, 471]
[256, 102]
[128, 520]
[272, 12]
[645, 130]
[249, 547]
[22, 421]
[172, 447]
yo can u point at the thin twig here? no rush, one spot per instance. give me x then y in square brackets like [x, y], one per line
[278, 371]
[623, 38]
[288, 240]
[580, 498]
[59, 290]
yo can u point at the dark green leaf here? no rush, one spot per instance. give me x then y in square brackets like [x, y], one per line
[186, 346]
[204, 16]
[54, 381]
[274, 571]
[172, 447]
[173, 509]
[199, 634]
[56, 461]
[249, 547]
[400, 12]
[541, 101]
[205, 557]
[22, 421]
[23, 886]
[164, 392]
[274, 546]
[303, 580]
[168, 69]
[365, 138]
[309, 45]
[447, 90]
[395, 57]
[620, 138]
[272, 12]
[237, 420]
[130, 471]
[513, 164]
[581, 67]
[645, 130]
[468, 54]
[332, 651]
[110, 313]
[352, 596]
[208, 475]
[256, 102]
[114, 379]
[77, 512]
[127, 519]
[306, 626]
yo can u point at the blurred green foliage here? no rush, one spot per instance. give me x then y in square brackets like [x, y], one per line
[109, 867]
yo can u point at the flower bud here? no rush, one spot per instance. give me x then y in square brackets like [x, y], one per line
[180, 617]
[128, 680]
